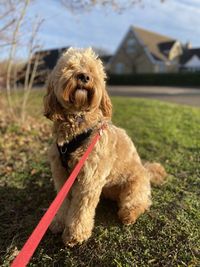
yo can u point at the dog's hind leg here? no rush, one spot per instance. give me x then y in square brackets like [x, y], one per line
[59, 174]
[135, 196]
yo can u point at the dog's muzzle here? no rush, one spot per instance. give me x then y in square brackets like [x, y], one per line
[83, 78]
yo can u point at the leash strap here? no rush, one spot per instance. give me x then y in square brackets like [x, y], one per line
[33, 241]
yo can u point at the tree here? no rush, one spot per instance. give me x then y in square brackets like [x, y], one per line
[118, 5]
[12, 52]
[6, 21]
[13, 17]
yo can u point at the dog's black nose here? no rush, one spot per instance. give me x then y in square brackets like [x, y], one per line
[83, 77]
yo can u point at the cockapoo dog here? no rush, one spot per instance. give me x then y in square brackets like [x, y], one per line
[78, 104]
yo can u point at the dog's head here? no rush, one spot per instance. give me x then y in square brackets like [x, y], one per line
[77, 83]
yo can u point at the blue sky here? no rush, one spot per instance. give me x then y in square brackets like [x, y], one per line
[105, 28]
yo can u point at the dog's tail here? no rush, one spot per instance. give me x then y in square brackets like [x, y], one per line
[157, 173]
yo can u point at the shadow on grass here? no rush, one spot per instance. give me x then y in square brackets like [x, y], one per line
[22, 208]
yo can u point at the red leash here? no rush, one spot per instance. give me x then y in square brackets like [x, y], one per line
[31, 244]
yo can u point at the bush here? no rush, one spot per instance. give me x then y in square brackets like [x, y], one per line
[164, 79]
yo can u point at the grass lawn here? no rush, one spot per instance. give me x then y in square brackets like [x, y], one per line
[167, 235]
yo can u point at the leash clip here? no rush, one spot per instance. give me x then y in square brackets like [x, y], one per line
[63, 150]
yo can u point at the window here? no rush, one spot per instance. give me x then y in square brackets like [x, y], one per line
[162, 68]
[119, 68]
[130, 45]
[156, 68]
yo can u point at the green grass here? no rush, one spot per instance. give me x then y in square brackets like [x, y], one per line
[167, 235]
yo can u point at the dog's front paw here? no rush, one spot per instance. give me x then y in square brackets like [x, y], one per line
[72, 237]
[56, 226]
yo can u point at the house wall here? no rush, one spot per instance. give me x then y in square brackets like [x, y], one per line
[174, 57]
[143, 64]
[173, 67]
[175, 52]
[131, 57]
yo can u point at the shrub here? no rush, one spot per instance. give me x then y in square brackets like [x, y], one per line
[164, 79]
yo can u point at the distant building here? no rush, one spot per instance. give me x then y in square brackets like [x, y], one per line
[48, 59]
[142, 51]
[190, 60]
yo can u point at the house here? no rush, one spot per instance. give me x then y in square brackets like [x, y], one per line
[190, 60]
[143, 51]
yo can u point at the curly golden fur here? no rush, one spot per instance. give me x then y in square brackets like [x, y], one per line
[76, 101]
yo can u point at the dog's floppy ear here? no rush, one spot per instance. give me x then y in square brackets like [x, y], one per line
[52, 109]
[106, 105]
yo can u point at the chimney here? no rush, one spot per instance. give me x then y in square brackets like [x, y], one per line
[188, 45]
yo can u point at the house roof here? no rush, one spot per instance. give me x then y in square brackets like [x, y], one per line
[157, 44]
[106, 58]
[50, 56]
[188, 54]
[194, 62]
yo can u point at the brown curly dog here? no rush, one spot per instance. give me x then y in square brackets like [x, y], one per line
[78, 104]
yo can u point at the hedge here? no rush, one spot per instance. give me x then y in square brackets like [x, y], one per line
[164, 79]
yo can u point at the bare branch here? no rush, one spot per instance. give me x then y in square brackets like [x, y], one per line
[12, 53]
[6, 44]
[7, 19]
[31, 68]
[6, 13]
[6, 26]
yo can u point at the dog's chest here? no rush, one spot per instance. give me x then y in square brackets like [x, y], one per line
[71, 151]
